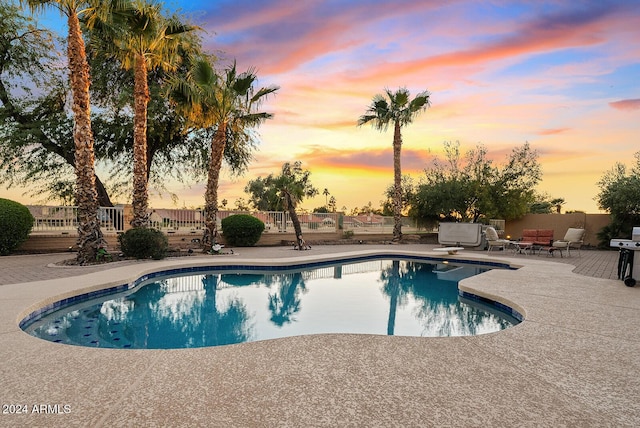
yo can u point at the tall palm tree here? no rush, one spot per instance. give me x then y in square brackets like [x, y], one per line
[326, 194]
[90, 237]
[399, 110]
[226, 103]
[142, 39]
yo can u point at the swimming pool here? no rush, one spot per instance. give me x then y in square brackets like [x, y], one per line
[238, 304]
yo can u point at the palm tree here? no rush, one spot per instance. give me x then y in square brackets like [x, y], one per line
[293, 185]
[225, 103]
[399, 110]
[90, 237]
[142, 39]
[326, 194]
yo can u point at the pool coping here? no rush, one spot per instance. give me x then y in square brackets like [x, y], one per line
[572, 361]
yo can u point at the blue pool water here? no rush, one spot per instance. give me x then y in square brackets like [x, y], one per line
[387, 297]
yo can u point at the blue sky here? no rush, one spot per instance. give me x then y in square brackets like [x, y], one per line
[561, 75]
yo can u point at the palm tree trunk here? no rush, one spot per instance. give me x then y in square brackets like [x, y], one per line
[103, 196]
[291, 207]
[141, 99]
[90, 236]
[211, 194]
[397, 184]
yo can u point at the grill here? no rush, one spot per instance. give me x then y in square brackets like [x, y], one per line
[629, 260]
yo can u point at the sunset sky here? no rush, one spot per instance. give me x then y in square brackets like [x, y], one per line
[561, 75]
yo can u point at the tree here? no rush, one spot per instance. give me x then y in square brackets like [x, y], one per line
[557, 203]
[90, 236]
[326, 194]
[620, 196]
[544, 204]
[36, 127]
[262, 195]
[408, 189]
[28, 155]
[332, 204]
[142, 39]
[289, 188]
[226, 104]
[470, 188]
[396, 109]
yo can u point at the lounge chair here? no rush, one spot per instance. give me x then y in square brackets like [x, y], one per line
[573, 239]
[493, 240]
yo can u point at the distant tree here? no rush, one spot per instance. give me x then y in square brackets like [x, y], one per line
[241, 204]
[540, 207]
[470, 188]
[366, 209]
[620, 196]
[557, 203]
[332, 204]
[544, 204]
[398, 110]
[290, 188]
[326, 194]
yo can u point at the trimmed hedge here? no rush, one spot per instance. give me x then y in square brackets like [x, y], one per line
[16, 223]
[144, 243]
[242, 230]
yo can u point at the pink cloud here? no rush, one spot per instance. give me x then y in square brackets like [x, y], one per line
[544, 34]
[280, 37]
[552, 131]
[626, 105]
[380, 160]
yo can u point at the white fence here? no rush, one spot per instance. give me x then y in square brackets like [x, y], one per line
[63, 220]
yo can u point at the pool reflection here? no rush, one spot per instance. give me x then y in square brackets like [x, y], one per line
[212, 309]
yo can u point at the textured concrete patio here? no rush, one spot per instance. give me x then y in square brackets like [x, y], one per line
[574, 361]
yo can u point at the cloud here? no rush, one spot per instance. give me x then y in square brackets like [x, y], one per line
[552, 131]
[370, 160]
[626, 105]
[280, 36]
[569, 29]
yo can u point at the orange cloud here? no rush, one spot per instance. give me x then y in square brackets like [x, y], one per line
[552, 131]
[626, 105]
[370, 160]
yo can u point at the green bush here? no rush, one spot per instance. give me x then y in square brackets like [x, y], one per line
[15, 225]
[144, 243]
[242, 230]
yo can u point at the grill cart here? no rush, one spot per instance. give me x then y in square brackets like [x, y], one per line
[629, 260]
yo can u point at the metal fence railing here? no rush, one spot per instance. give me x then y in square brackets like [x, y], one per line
[64, 219]
[113, 220]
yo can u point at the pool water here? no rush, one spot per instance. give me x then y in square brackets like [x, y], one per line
[384, 297]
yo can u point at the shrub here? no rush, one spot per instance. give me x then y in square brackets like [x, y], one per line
[15, 225]
[242, 230]
[144, 243]
[347, 234]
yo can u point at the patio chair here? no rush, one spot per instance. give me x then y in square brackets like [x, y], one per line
[573, 239]
[493, 240]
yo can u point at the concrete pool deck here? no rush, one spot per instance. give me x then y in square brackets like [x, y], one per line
[574, 361]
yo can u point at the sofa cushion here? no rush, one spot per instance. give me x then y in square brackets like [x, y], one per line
[545, 237]
[529, 235]
[574, 235]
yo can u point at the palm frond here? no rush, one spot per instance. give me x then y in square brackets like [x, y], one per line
[263, 92]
